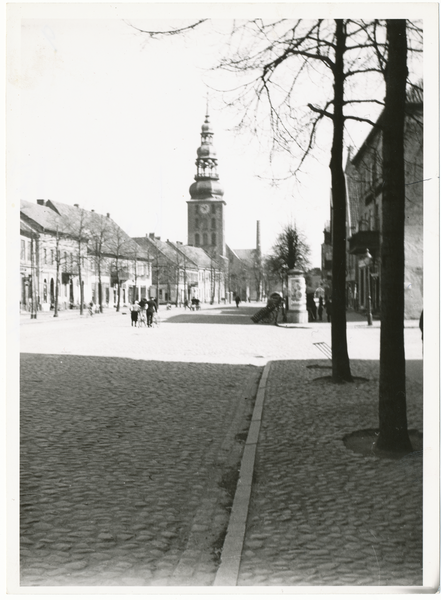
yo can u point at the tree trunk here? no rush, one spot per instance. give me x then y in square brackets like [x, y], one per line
[119, 287]
[392, 391]
[341, 370]
[100, 287]
[81, 286]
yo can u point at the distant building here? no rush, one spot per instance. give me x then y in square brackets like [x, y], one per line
[179, 272]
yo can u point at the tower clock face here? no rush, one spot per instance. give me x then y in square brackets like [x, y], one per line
[204, 208]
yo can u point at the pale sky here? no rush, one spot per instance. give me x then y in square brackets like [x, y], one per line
[111, 120]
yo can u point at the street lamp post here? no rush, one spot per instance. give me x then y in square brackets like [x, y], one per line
[367, 263]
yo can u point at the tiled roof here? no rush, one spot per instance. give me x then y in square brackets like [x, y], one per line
[153, 246]
[68, 219]
[197, 255]
[41, 216]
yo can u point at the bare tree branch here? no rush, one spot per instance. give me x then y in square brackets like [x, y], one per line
[160, 34]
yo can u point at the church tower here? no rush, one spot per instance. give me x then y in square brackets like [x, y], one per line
[206, 207]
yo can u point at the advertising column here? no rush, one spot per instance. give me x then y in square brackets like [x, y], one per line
[296, 312]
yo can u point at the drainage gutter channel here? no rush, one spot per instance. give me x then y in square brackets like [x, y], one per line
[228, 571]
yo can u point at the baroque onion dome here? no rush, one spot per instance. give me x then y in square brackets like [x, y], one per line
[206, 183]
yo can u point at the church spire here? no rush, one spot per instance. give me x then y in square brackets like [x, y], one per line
[206, 179]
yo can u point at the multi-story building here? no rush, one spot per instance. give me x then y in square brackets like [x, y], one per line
[364, 222]
[74, 247]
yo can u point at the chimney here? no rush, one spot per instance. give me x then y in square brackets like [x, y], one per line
[77, 205]
[258, 238]
[152, 236]
[108, 215]
[93, 210]
[158, 237]
[40, 202]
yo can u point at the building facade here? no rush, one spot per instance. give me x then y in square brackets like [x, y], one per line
[364, 184]
[66, 247]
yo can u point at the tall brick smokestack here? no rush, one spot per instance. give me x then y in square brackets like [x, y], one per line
[258, 248]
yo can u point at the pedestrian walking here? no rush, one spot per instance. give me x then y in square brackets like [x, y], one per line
[311, 307]
[90, 309]
[320, 309]
[421, 324]
[328, 307]
[237, 300]
[151, 308]
[134, 310]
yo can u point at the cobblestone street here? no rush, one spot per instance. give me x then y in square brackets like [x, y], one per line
[121, 467]
[131, 442]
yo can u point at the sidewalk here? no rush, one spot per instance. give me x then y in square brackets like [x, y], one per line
[316, 512]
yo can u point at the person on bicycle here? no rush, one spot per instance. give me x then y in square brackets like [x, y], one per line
[151, 308]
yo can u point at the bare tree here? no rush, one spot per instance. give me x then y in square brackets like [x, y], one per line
[344, 51]
[76, 225]
[290, 251]
[99, 239]
[119, 249]
[57, 270]
[393, 434]
[275, 273]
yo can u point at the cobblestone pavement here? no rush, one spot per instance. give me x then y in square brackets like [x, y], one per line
[321, 514]
[128, 466]
[122, 464]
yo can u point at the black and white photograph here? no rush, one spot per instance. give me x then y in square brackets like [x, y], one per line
[222, 331]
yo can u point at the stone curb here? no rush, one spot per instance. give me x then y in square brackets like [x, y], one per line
[228, 571]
